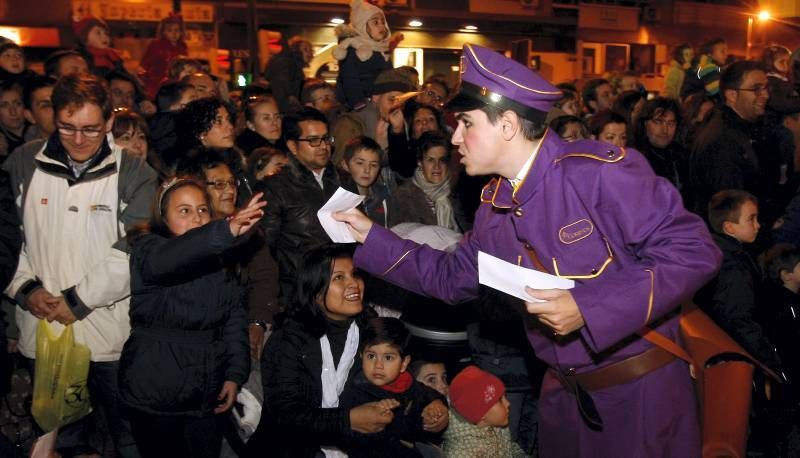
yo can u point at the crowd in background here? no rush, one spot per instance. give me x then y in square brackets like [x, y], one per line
[174, 222]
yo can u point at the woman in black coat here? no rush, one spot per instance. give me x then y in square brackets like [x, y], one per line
[188, 350]
[300, 415]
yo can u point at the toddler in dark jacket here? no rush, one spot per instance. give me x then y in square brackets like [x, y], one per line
[422, 413]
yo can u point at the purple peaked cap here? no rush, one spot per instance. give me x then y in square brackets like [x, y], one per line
[489, 78]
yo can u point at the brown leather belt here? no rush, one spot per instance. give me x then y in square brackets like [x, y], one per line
[624, 371]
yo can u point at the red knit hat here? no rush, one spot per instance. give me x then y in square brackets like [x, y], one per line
[473, 392]
[84, 26]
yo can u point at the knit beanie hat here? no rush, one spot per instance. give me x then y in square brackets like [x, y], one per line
[473, 392]
[84, 26]
[360, 12]
[394, 79]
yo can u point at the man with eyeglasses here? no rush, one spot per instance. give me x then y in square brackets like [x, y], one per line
[725, 153]
[77, 194]
[297, 192]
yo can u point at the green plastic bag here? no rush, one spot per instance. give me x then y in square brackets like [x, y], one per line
[60, 394]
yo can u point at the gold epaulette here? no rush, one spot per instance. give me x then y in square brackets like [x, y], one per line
[609, 155]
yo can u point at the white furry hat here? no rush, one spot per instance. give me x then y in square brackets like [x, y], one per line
[360, 12]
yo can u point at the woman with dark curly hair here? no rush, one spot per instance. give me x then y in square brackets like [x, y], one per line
[207, 123]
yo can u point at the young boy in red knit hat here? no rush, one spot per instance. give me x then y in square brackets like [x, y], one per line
[479, 418]
[422, 413]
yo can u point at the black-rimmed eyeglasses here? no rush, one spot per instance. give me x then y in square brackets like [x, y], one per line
[317, 141]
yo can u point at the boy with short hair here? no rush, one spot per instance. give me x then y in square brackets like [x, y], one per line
[422, 413]
[730, 298]
[479, 418]
[364, 163]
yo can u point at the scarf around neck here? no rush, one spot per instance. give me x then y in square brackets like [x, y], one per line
[401, 384]
[334, 378]
[440, 195]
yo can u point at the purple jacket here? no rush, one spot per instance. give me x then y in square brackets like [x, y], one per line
[599, 215]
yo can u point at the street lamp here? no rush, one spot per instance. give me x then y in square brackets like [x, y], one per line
[762, 16]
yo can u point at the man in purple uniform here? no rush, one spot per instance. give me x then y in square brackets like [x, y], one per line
[587, 211]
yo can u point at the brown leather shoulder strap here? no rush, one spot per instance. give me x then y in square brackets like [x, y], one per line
[662, 341]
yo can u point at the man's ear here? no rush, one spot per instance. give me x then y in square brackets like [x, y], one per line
[343, 165]
[292, 145]
[510, 124]
[729, 96]
[29, 117]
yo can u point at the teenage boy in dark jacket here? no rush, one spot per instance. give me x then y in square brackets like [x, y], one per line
[730, 298]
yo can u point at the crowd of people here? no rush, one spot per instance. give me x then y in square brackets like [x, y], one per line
[173, 224]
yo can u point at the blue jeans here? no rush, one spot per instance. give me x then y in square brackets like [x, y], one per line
[104, 395]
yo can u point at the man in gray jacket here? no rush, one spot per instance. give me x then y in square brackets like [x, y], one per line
[77, 193]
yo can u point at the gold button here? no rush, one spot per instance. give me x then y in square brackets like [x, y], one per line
[594, 271]
[518, 212]
[527, 246]
[610, 153]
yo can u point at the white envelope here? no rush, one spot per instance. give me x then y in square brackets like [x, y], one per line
[341, 201]
[512, 279]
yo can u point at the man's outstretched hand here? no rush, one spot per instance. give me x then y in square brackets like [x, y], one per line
[358, 223]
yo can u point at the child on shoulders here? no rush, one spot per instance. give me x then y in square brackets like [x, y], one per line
[364, 51]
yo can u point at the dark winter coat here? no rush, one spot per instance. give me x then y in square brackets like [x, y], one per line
[402, 153]
[285, 75]
[10, 233]
[189, 324]
[292, 422]
[356, 77]
[732, 299]
[249, 140]
[780, 316]
[670, 162]
[406, 426]
[290, 221]
[723, 157]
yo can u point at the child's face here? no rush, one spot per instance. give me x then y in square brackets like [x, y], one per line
[746, 229]
[498, 414]
[434, 375]
[135, 141]
[187, 209]
[792, 276]
[12, 60]
[364, 167]
[98, 37]
[172, 32]
[376, 27]
[382, 363]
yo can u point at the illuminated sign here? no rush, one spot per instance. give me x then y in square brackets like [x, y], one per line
[121, 10]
